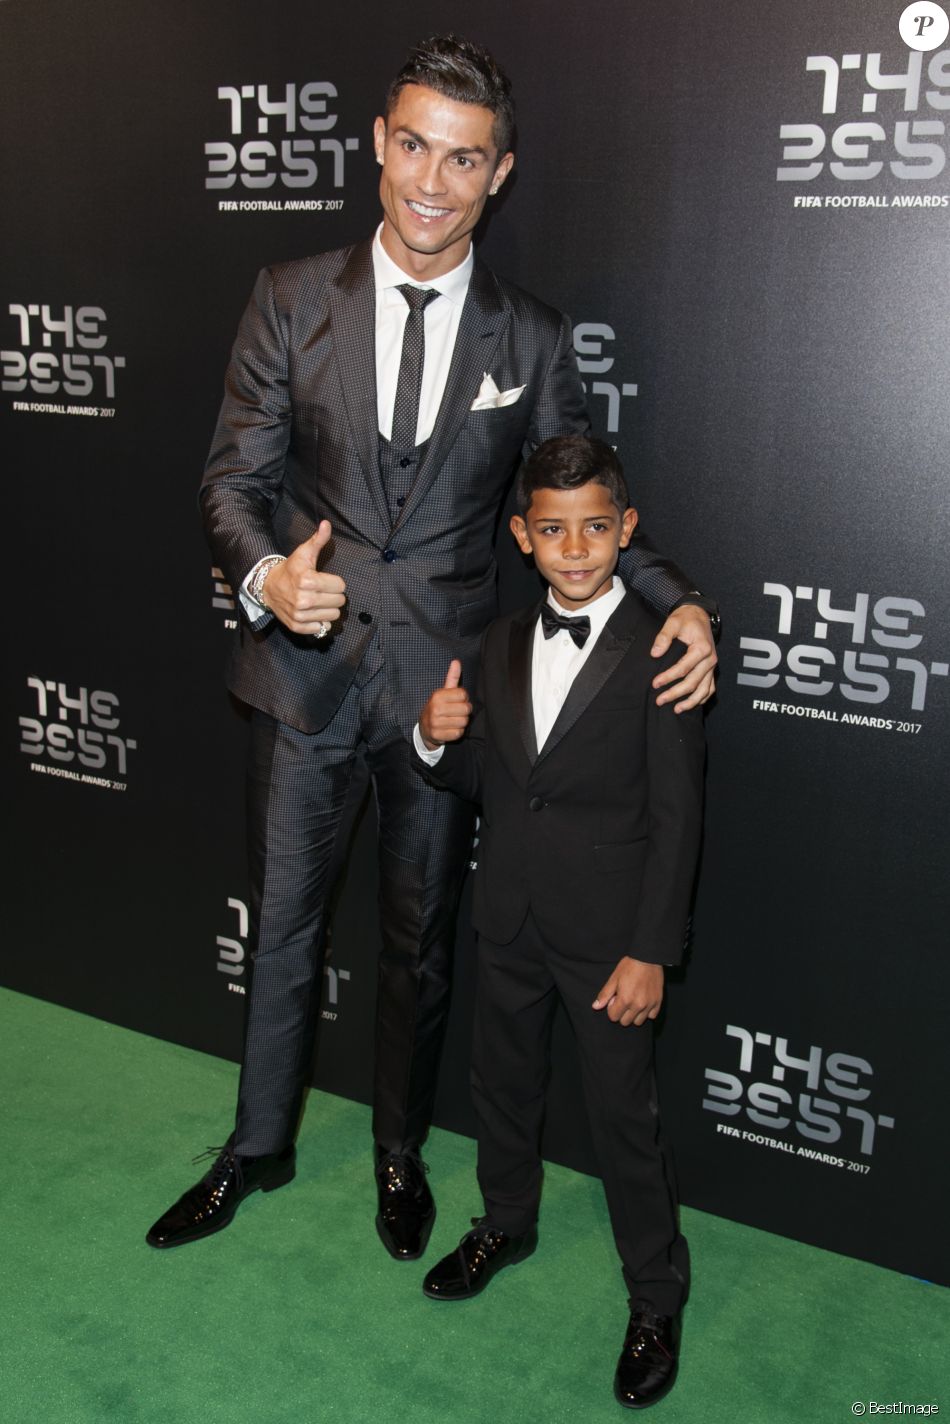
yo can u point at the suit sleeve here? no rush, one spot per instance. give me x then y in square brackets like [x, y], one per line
[675, 754]
[560, 407]
[461, 764]
[656, 578]
[245, 469]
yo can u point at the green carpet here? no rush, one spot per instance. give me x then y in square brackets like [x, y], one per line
[295, 1313]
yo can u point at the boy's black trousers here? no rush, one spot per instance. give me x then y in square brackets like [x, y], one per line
[519, 985]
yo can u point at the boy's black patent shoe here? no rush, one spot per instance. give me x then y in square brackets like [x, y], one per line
[646, 1370]
[210, 1204]
[406, 1209]
[480, 1254]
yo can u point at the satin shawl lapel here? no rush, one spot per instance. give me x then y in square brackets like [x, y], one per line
[353, 322]
[612, 644]
[520, 653]
[482, 325]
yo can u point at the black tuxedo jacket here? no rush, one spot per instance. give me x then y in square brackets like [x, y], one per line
[597, 832]
[297, 441]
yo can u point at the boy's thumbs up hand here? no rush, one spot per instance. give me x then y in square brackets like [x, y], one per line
[447, 712]
[298, 594]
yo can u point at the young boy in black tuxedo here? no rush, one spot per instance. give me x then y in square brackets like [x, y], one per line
[591, 804]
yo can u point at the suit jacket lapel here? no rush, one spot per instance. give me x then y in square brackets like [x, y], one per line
[520, 654]
[483, 322]
[612, 644]
[353, 322]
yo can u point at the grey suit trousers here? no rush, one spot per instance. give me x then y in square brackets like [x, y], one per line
[297, 790]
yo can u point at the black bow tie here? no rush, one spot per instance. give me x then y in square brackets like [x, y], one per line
[551, 622]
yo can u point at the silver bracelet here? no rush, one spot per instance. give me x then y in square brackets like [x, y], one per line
[256, 586]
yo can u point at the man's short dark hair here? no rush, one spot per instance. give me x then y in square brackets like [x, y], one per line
[460, 70]
[566, 462]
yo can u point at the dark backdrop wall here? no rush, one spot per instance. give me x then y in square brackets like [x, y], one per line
[746, 213]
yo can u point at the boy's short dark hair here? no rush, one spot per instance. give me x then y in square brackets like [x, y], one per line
[460, 70]
[566, 462]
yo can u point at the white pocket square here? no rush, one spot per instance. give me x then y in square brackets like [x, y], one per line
[490, 397]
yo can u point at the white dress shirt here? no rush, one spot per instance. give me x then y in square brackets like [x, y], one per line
[441, 318]
[555, 663]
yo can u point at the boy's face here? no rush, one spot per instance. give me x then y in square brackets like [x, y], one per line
[575, 536]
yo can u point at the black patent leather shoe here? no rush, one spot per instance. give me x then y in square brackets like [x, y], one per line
[646, 1370]
[210, 1204]
[480, 1254]
[406, 1209]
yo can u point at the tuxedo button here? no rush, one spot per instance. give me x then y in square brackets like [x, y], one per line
[404, 462]
[389, 555]
[536, 804]
[365, 617]
[401, 501]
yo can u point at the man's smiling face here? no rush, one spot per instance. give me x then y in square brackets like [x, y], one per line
[439, 164]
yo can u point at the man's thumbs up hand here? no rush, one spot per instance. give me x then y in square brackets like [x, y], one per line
[304, 599]
[319, 539]
[447, 712]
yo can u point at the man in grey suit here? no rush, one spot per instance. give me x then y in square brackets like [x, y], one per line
[377, 402]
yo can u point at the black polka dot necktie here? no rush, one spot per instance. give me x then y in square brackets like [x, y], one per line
[409, 384]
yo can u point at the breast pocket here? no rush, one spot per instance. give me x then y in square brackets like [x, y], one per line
[625, 858]
[504, 423]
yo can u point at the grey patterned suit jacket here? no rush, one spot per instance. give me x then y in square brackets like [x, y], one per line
[297, 442]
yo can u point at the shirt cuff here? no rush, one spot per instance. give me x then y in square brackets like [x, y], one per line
[251, 606]
[422, 751]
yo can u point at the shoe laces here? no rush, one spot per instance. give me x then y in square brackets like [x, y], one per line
[485, 1240]
[396, 1168]
[226, 1161]
[482, 1232]
[643, 1332]
[480, 1226]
